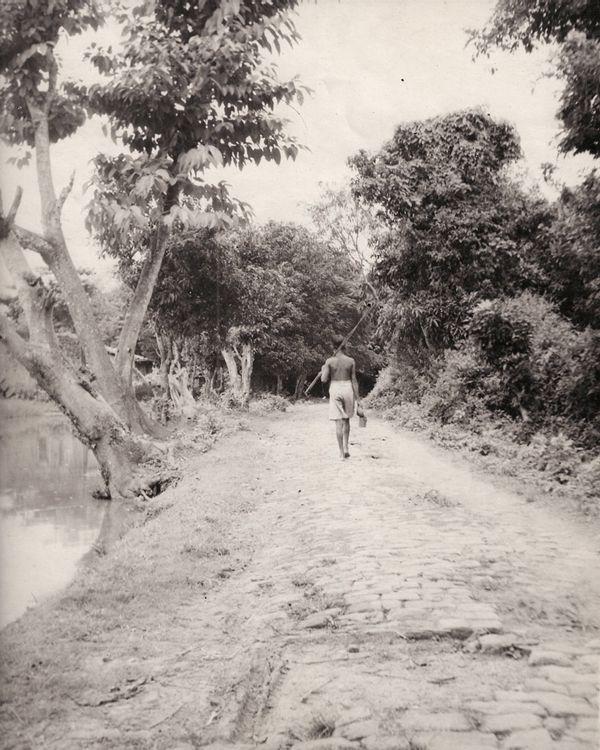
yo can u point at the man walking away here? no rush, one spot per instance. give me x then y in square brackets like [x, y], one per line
[340, 370]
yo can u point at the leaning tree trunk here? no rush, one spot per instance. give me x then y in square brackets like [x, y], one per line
[129, 464]
[53, 249]
[138, 306]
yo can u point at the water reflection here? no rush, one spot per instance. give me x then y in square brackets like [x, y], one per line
[47, 517]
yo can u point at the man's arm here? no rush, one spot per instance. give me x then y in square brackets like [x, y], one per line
[355, 383]
[325, 372]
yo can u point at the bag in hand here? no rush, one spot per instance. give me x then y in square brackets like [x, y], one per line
[362, 419]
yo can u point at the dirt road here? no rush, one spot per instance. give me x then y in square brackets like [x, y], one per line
[395, 600]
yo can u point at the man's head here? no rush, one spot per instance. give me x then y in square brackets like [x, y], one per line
[337, 341]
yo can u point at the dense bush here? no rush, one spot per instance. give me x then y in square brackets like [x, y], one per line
[396, 385]
[522, 361]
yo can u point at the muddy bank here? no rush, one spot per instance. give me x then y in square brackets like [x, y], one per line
[170, 549]
[95, 642]
[49, 519]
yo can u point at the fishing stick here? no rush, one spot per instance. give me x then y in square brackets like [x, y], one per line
[340, 347]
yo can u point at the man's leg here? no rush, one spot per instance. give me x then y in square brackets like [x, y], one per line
[339, 432]
[339, 400]
[346, 438]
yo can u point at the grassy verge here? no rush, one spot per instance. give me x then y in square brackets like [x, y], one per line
[545, 465]
[75, 650]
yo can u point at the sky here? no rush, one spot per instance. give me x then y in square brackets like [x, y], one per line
[371, 64]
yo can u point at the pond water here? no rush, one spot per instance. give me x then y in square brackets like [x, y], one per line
[48, 519]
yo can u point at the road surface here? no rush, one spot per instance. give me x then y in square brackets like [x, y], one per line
[395, 600]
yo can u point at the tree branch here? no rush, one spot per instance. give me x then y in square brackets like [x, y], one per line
[64, 193]
[32, 241]
[28, 284]
[9, 335]
[52, 78]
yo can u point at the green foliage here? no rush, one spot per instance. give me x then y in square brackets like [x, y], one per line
[491, 299]
[344, 224]
[526, 23]
[579, 68]
[504, 344]
[189, 89]
[29, 32]
[434, 163]
[399, 385]
[270, 402]
[575, 26]
[276, 287]
[567, 255]
[459, 229]
[524, 359]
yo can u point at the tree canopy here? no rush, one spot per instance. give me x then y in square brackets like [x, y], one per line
[457, 225]
[575, 27]
[277, 288]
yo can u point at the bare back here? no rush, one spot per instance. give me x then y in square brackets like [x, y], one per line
[341, 367]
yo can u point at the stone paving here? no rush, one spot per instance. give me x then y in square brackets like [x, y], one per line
[374, 567]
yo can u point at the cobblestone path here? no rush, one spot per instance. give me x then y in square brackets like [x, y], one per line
[394, 601]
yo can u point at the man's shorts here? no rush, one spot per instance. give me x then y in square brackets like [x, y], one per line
[341, 399]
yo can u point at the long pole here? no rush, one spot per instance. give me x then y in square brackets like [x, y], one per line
[340, 347]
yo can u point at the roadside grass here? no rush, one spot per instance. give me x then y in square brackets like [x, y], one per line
[546, 465]
[179, 546]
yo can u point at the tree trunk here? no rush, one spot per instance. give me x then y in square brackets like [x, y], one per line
[235, 380]
[425, 336]
[300, 383]
[129, 465]
[163, 344]
[181, 396]
[209, 376]
[138, 306]
[279, 390]
[124, 460]
[56, 255]
[193, 376]
[247, 365]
